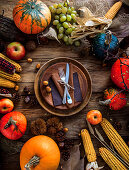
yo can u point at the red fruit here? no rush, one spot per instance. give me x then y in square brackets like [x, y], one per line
[6, 106]
[115, 102]
[94, 117]
[15, 51]
[121, 69]
[13, 125]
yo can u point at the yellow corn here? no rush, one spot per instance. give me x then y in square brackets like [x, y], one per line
[88, 146]
[116, 139]
[113, 10]
[111, 160]
[6, 83]
[17, 66]
[13, 77]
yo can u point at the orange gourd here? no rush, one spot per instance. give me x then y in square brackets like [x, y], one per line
[31, 16]
[40, 153]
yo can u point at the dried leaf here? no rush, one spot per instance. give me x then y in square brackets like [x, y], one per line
[99, 135]
[51, 34]
[74, 163]
[90, 127]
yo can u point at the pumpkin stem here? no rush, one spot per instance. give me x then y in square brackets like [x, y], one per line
[10, 122]
[108, 38]
[105, 102]
[33, 162]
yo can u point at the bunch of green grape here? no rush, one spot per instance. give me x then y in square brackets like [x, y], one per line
[63, 16]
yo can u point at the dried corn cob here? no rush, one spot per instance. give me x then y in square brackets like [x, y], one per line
[7, 66]
[116, 139]
[6, 83]
[13, 77]
[17, 66]
[111, 160]
[3, 91]
[113, 10]
[88, 146]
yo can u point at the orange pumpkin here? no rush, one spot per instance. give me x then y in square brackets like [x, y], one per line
[31, 16]
[40, 153]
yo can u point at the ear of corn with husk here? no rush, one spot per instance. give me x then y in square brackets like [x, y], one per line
[88, 146]
[6, 83]
[111, 160]
[17, 66]
[13, 77]
[116, 139]
[113, 10]
[7, 66]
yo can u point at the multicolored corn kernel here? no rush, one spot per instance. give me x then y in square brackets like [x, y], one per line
[7, 66]
[4, 91]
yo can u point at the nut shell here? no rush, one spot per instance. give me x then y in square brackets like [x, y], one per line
[29, 60]
[16, 88]
[45, 83]
[38, 66]
[48, 89]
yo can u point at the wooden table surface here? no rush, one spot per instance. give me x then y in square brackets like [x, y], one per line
[100, 81]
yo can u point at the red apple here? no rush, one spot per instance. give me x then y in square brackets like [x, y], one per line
[94, 117]
[6, 106]
[15, 51]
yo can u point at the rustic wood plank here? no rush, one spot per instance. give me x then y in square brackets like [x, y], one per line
[100, 81]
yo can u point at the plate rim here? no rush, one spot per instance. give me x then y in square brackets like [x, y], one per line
[36, 89]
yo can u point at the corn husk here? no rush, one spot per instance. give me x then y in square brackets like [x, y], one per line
[98, 8]
[126, 2]
[89, 24]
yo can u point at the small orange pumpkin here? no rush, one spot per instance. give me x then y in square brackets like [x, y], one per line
[40, 153]
[31, 16]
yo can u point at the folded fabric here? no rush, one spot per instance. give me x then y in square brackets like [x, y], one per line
[58, 89]
[74, 162]
[56, 97]
[77, 89]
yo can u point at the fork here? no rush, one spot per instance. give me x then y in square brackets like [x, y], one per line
[66, 92]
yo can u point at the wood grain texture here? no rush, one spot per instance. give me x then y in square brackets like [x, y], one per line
[9, 155]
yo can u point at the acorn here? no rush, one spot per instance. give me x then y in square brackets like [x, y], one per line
[38, 66]
[45, 83]
[16, 87]
[48, 89]
[66, 130]
[29, 60]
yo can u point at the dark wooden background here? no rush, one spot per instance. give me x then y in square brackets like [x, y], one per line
[9, 153]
